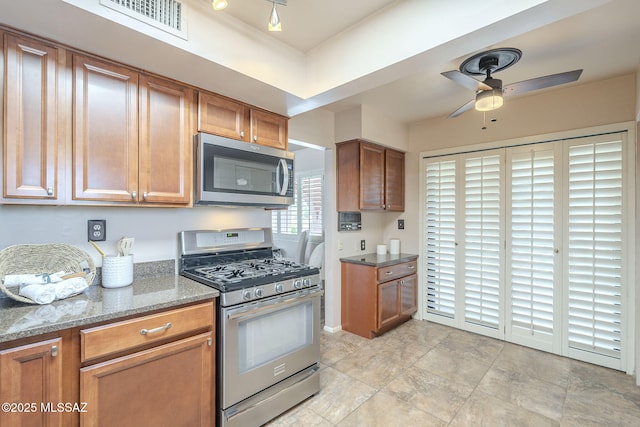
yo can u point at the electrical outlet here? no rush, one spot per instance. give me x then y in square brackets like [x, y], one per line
[401, 224]
[97, 230]
[363, 245]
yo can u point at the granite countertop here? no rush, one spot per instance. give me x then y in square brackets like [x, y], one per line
[376, 260]
[98, 304]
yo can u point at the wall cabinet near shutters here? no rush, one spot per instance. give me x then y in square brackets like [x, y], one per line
[131, 136]
[369, 177]
[34, 132]
[225, 117]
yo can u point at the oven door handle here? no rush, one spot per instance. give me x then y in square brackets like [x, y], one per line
[273, 307]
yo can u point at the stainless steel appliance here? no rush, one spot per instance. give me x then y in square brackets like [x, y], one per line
[230, 172]
[268, 327]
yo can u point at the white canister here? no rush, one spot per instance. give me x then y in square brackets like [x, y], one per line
[381, 249]
[117, 271]
[394, 246]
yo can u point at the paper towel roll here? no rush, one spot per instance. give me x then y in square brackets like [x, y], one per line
[381, 249]
[394, 246]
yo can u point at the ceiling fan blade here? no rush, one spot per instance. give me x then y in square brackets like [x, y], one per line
[466, 107]
[465, 80]
[541, 82]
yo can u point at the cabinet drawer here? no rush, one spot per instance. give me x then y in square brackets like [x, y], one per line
[397, 270]
[128, 334]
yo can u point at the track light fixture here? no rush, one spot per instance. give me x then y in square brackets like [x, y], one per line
[274, 23]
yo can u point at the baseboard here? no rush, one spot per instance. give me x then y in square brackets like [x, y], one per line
[332, 330]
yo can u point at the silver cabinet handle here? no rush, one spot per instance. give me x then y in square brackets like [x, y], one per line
[134, 194]
[54, 351]
[49, 191]
[242, 134]
[255, 138]
[411, 267]
[382, 206]
[154, 330]
[388, 273]
[144, 195]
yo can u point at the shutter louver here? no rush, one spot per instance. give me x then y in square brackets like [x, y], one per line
[482, 241]
[531, 266]
[595, 246]
[440, 222]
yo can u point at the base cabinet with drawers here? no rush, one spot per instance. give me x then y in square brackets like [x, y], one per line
[377, 296]
[152, 369]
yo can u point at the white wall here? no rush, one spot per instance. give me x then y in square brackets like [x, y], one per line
[154, 229]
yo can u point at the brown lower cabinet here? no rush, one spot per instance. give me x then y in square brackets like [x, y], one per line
[377, 299]
[30, 377]
[154, 369]
[166, 385]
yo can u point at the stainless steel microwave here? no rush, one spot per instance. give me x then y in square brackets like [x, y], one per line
[230, 172]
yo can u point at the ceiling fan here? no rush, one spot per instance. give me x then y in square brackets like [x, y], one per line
[490, 93]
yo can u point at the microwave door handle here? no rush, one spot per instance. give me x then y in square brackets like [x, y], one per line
[282, 190]
[278, 186]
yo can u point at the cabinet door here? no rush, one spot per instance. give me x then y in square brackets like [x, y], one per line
[268, 129]
[31, 125]
[387, 303]
[169, 385]
[222, 116]
[31, 375]
[371, 177]
[408, 295]
[394, 180]
[164, 141]
[105, 131]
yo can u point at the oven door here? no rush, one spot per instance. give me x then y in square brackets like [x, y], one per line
[266, 342]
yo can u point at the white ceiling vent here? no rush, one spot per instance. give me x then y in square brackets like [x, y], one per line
[167, 15]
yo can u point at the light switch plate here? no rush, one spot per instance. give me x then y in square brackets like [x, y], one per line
[401, 224]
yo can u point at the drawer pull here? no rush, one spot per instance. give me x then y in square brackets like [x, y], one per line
[54, 351]
[154, 330]
[388, 273]
[411, 267]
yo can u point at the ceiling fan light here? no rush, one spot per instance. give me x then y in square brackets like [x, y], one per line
[488, 100]
[219, 4]
[274, 20]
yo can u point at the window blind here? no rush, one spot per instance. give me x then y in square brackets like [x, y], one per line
[532, 246]
[482, 240]
[595, 245]
[440, 223]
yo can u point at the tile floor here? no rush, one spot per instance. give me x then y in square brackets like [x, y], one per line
[424, 374]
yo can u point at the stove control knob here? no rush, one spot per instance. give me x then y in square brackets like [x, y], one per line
[306, 282]
[297, 284]
[246, 295]
[258, 293]
[279, 288]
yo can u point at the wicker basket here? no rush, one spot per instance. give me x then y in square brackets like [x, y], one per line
[43, 258]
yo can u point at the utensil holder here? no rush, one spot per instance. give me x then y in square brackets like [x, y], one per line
[117, 271]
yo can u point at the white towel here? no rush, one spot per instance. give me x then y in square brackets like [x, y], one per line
[32, 279]
[69, 287]
[40, 294]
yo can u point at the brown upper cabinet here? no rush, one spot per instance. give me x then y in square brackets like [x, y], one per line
[131, 135]
[33, 119]
[369, 177]
[225, 117]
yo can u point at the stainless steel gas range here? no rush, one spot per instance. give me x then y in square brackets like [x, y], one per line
[268, 329]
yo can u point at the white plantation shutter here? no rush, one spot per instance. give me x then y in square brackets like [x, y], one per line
[595, 242]
[531, 271]
[311, 204]
[482, 239]
[440, 237]
[306, 211]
